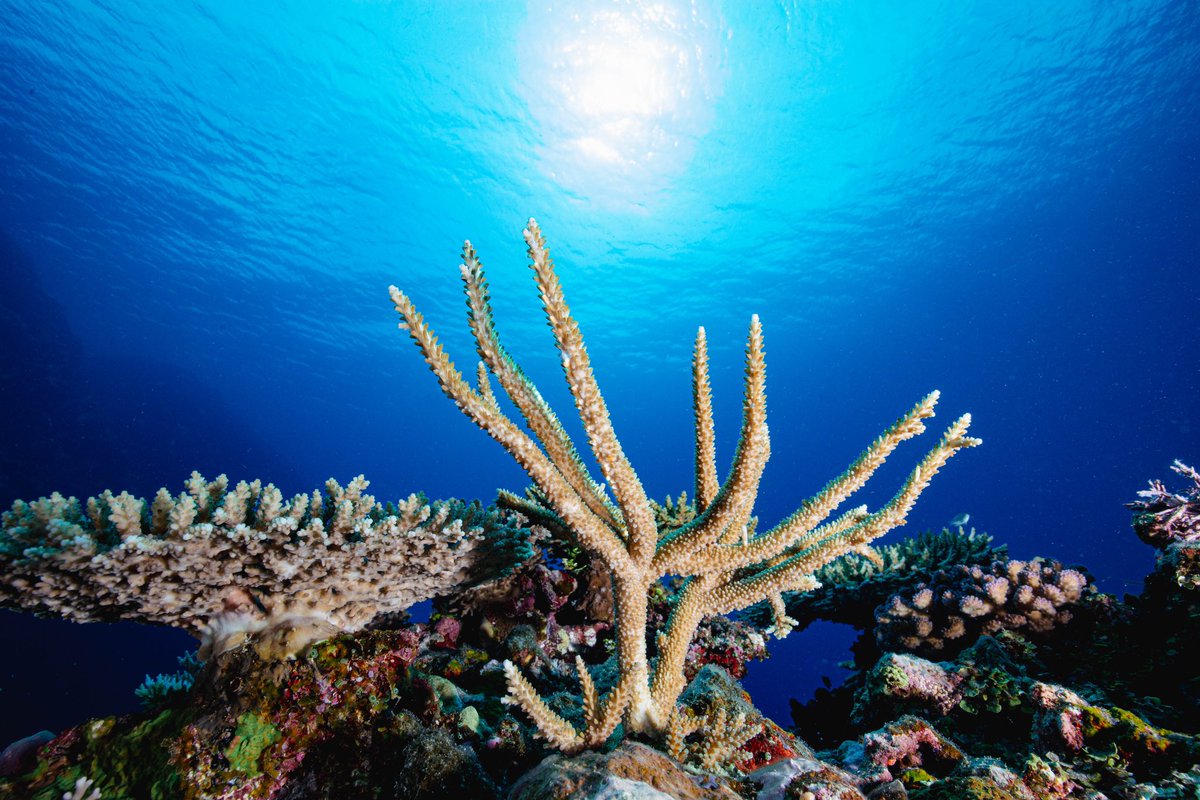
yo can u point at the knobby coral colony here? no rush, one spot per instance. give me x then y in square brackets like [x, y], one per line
[724, 564]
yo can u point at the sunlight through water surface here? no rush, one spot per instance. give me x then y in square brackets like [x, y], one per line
[620, 92]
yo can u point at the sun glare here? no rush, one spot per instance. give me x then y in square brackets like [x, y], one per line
[624, 72]
[620, 90]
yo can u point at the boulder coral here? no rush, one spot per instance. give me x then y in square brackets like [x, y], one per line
[958, 605]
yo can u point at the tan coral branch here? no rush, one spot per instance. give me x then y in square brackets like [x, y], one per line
[706, 446]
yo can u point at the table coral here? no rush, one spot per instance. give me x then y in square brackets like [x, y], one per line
[226, 562]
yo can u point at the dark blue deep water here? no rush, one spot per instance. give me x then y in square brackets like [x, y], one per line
[202, 205]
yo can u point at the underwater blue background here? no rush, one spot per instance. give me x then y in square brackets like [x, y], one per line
[202, 206]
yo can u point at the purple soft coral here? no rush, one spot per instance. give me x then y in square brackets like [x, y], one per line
[1162, 517]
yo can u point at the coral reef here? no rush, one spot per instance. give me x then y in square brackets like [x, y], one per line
[854, 585]
[1103, 705]
[223, 562]
[725, 565]
[1055, 718]
[581, 644]
[408, 711]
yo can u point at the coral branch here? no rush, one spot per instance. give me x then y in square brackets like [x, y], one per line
[706, 446]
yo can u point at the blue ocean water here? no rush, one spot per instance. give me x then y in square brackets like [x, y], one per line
[203, 205]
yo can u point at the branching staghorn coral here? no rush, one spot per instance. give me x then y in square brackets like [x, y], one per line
[720, 740]
[222, 561]
[725, 566]
[81, 790]
[1171, 524]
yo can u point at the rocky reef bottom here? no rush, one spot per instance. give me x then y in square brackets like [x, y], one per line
[974, 676]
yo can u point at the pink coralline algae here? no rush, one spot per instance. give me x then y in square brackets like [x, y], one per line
[909, 743]
[1066, 722]
[766, 747]
[1059, 721]
[903, 677]
[727, 643]
[960, 604]
[446, 631]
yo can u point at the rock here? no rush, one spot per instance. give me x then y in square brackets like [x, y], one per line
[887, 754]
[904, 679]
[713, 684]
[435, 767]
[633, 771]
[468, 720]
[807, 779]
[889, 791]
[20, 756]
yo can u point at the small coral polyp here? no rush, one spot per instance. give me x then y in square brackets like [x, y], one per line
[726, 564]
